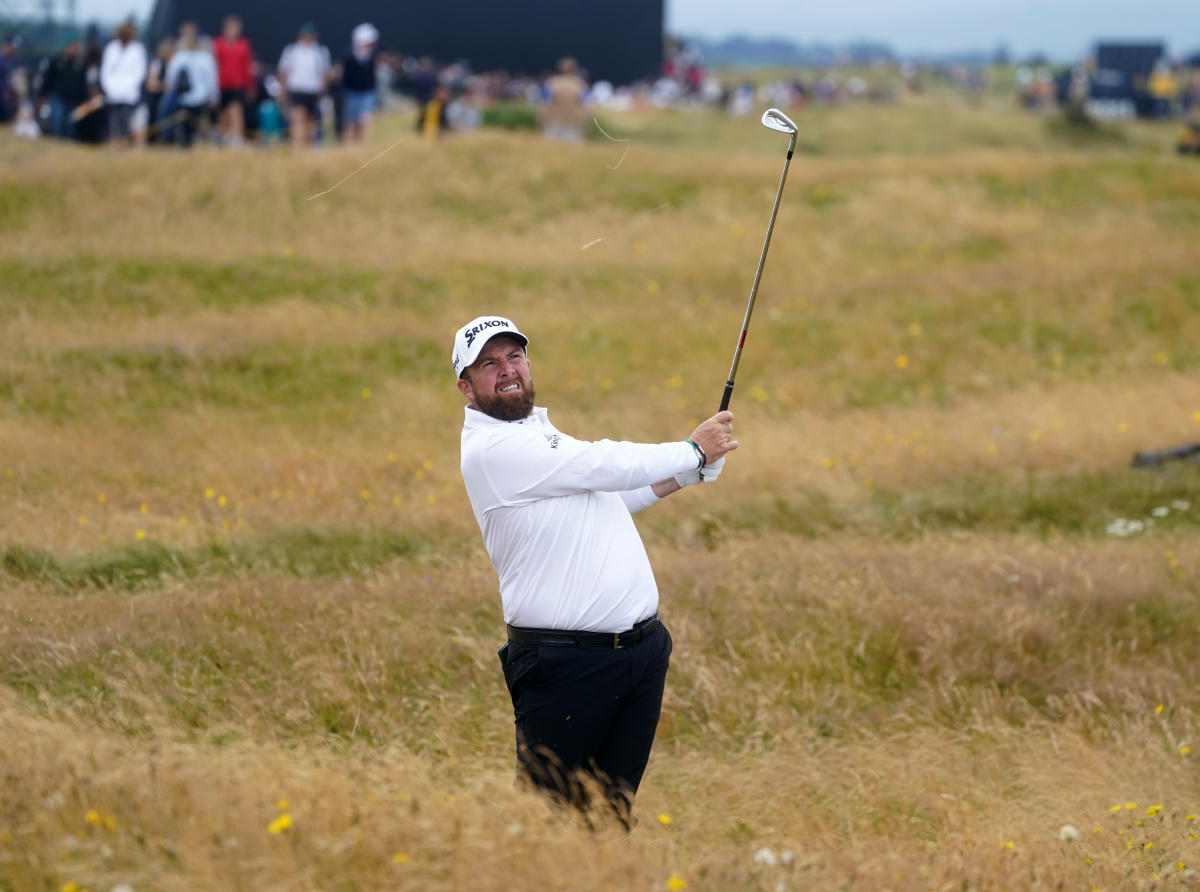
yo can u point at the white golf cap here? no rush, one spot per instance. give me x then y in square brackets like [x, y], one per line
[470, 340]
[364, 34]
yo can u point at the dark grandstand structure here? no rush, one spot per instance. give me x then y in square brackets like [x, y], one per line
[615, 40]
[1122, 75]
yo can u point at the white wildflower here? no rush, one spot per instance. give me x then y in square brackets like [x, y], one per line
[1122, 527]
[764, 857]
[1067, 833]
[787, 858]
[1181, 505]
[1160, 511]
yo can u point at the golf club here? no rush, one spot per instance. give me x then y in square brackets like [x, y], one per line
[772, 119]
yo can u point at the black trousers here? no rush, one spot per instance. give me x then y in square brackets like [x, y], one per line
[587, 713]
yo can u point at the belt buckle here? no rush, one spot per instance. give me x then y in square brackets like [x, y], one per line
[616, 640]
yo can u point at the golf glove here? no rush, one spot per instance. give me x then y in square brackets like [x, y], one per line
[687, 478]
[710, 472]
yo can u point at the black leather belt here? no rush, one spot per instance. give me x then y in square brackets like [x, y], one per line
[563, 637]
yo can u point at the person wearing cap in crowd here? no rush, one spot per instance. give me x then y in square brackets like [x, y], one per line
[587, 654]
[122, 72]
[358, 82]
[64, 86]
[235, 76]
[304, 70]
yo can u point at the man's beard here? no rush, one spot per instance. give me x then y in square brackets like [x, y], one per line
[507, 407]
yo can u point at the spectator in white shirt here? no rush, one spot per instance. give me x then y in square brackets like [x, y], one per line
[122, 73]
[587, 655]
[304, 70]
[192, 77]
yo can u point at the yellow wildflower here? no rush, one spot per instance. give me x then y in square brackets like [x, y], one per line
[675, 882]
[664, 818]
[93, 816]
[1130, 806]
[281, 823]
[401, 858]
[1185, 749]
[282, 805]
[1158, 709]
[209, 492]
[1154, 809]
[901, 361]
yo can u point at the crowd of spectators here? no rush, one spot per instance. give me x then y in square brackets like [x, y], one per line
[214, 90]
[195, 89]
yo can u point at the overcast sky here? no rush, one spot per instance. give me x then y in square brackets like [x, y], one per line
[1063, 28]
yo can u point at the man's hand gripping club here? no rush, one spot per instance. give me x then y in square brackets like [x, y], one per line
[713, 439]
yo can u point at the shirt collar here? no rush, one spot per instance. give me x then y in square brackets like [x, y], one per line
[474, 418]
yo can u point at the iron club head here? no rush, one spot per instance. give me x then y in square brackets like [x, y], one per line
[774, 119]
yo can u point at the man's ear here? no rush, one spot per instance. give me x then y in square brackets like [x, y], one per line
[464, 387]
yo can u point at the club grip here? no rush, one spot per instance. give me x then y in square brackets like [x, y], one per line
[726, 396]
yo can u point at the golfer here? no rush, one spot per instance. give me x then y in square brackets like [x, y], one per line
[587, 654]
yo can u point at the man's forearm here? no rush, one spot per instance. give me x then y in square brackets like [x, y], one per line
[664, 488]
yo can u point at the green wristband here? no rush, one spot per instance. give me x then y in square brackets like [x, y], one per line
[700, 453]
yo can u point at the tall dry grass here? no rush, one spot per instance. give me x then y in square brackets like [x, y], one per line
[247, 628]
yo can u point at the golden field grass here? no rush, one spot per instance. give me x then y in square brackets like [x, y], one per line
[247, 629]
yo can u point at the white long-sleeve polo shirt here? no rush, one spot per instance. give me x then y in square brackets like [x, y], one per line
[556, 516]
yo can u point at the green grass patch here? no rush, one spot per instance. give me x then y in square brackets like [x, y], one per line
[1017, 502]
[303, 552]
[279, 377]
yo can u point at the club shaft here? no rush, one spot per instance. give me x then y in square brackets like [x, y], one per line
[762, 260]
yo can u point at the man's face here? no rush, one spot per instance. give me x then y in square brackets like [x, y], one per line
[499, 383]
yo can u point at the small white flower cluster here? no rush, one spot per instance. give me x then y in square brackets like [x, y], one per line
[1068, 833]
[1123, 527]
[766, 857]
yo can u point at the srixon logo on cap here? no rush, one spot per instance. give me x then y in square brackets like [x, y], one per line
[471, 333]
